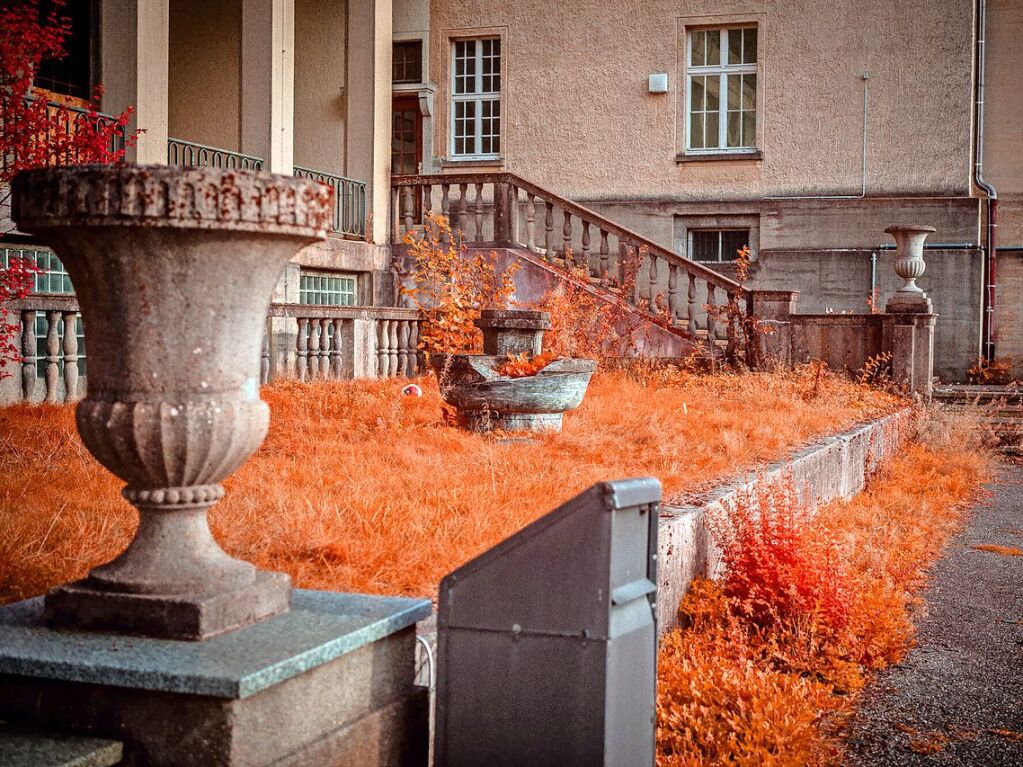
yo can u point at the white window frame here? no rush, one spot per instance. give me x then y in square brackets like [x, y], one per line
[722, 69]
[479, 96]
[344, 278]
[719, 230]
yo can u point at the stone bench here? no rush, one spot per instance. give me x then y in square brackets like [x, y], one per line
[25, 747]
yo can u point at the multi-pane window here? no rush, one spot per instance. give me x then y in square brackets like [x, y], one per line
[52, 279]
[716, 244]
[407, 62]
[722, 93]
[476, 98]
[328, 289]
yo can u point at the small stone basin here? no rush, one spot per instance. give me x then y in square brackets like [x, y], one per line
[487, 400]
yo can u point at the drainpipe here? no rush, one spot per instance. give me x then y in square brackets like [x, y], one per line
[989, 332]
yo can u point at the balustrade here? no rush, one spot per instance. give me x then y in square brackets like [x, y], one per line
[349, 201]
[190, 154]
[505, 211]
[55, 349]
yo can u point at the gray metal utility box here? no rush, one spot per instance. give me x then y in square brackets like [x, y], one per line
[548, 641]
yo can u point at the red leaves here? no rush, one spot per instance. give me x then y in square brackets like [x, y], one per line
[524, 365]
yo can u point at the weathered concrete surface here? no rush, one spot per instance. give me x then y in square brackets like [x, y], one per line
[834, 467]
[964, 677]
[23, 747]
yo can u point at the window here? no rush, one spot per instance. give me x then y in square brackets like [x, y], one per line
[326, 288]
[52, 279]
[70, 75]
[716, 244]
[476, 98]
[722, 94]
[407, 62]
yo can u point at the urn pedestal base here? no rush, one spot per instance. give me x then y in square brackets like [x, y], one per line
[80, 605]
[330, 682]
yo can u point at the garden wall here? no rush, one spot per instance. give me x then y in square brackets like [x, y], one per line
[831, 468]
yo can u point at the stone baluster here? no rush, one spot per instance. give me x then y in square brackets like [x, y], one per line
[478, 211]
[652, 297]
[691, 296]
[673, 292]
[585, 253]
[530, 221]
[445, 207]
[409, 207]
[413, 349]
[635, 279]
[70, 357]
[52, 354]
[336, 363]
[28, 355]
[623, 260]
[325, 349]
[314, 349]
[427, 200]
[732, 325]
[712, 320]
[392, 348]
[549, 225]
[264, 355]
[605, 257]
[566, 238]
[403, 335]
[302, 349]
[383, 358]
[463, 210]
[395, 214]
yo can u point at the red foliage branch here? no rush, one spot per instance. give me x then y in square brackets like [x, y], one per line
[35, 133]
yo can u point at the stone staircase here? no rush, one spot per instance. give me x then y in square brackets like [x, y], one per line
[1000, 408]
[30, 747]
[670, 305]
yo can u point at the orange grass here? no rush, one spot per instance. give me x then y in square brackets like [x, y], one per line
[359, 488]
[767, 676]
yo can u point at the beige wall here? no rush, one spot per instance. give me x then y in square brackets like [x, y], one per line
[320, 51]
[579, 118]
[1003, 117]
[205, 74]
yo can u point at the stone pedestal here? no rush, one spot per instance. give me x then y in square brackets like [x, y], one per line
[328, 683]
[513, 331]
[773, 310]
[912, 342]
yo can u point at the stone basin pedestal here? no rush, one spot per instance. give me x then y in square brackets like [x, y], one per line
[487, 400]
[177, 650]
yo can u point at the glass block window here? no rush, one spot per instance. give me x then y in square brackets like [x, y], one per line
[327, 289]
[53, 278]
[716, 244]
[476, 98]
[407, 62]
[721, 100]
[42, 326]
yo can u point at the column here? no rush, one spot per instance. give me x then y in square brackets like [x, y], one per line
[368, 134]
[134, 48]
[268, 83]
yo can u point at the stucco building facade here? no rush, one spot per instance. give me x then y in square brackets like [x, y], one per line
[802, 130]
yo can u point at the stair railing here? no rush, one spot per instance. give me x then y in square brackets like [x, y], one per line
[502, 210]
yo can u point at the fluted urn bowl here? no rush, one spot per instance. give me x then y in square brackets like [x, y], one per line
[909, 260]
[174, 270]
[487, 400]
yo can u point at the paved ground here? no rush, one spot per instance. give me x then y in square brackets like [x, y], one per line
[964, 680]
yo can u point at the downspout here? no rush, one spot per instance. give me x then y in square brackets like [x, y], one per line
[989, 331]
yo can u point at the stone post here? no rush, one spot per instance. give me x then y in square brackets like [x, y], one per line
[912, 315]
[513, 331]
[359, 348]
[773, 310]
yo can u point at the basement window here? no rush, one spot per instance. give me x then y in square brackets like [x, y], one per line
[716, 245]
[407, 62]
[327, 289]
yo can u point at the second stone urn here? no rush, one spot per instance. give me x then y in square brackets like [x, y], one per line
[909, 259]
[174, 270]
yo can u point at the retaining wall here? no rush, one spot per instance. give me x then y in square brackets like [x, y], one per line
[831, 468]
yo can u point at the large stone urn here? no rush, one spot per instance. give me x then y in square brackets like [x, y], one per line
[174, 270]
[909, 259]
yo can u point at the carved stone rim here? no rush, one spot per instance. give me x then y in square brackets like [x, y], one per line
[171, 197]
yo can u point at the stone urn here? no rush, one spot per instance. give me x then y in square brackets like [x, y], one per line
[174, 270]
[909, 260]
[486, 400]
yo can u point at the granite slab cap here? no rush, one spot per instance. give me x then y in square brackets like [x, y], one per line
[321, 626]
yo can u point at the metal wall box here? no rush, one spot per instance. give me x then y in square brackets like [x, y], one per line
[548, 641]
[658, 83]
